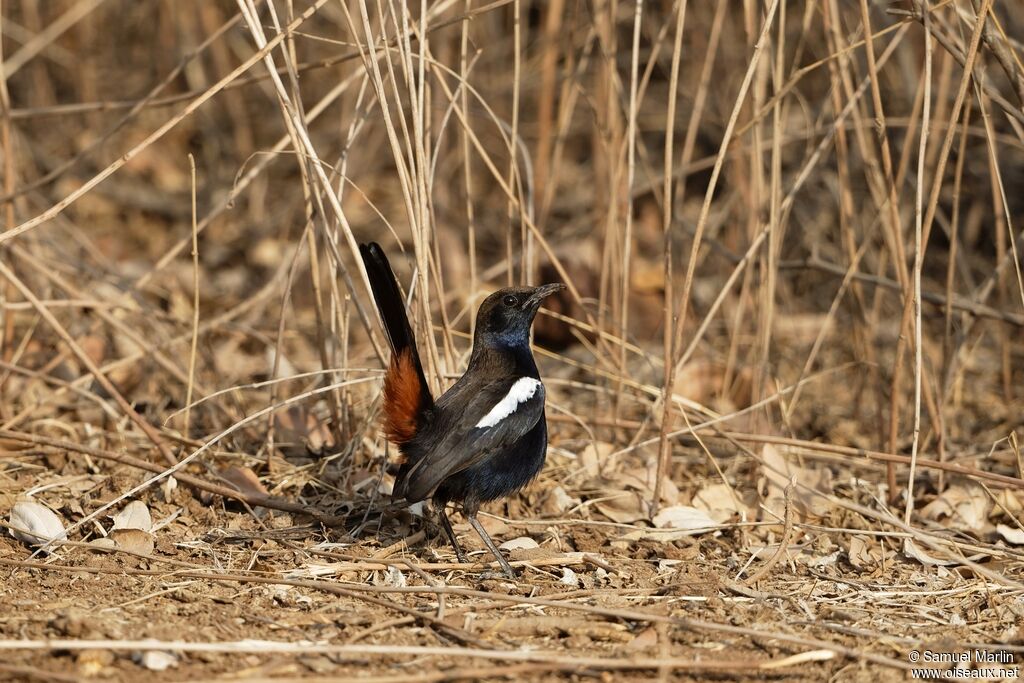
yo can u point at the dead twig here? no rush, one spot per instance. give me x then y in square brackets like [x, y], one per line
[253, 499]
[787, 537]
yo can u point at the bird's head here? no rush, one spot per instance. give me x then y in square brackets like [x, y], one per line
[505, 316]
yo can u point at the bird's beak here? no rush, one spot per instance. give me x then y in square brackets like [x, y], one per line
[543, 292]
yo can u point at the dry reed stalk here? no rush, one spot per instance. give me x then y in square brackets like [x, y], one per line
[668, 213]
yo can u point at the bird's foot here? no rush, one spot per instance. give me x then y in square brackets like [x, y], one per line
[506, 568]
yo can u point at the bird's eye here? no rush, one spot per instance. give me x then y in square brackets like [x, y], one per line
[510, 301]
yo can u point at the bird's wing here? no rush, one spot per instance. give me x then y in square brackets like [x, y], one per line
[487, 419]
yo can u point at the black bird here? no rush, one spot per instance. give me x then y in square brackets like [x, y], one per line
[486, 437]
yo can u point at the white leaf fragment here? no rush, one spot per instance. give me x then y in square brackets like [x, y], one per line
[395, 577]
[135, 515]
[34, 523]
[569, 577]
[156, 660]
[521, 543]
[1012, 535]
[665, 565]
[684, 517]
[562, 500]
[521, 391]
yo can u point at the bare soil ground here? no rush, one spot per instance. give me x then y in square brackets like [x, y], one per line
[601, 592]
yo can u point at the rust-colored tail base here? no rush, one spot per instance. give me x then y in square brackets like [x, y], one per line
[402, 398]
[406, 395]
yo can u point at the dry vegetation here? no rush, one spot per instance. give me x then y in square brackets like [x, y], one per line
[786, 385]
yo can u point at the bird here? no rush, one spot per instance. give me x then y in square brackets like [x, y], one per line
[486, 436]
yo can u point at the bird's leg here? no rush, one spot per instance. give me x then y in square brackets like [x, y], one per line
[479, 528]
[447, 526]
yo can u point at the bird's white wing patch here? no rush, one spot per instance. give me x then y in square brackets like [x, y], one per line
[521, 391]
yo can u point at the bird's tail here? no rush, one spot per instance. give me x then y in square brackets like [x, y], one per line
[406, 394]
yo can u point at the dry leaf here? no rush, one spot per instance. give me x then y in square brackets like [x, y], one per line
[156, 660]
[824, 561]
[284, 366]
[103, 542]
[1011, 534]
[625, 497]
[594, 455]
[778, 470]
[913, 552]
[133, 540]
[94, 347]
[135, 515]
[622, 507]
[34, 523]
[82, 484]
[642, 479]
[569, 578]
[719, 501]
[666, 565]
[644, 640]
[700, 381]
[521, 543]
[233, 362]
[858, 553]
[395, 577]
[319, 438]
[297, 424]
[965, 503]
[559, 501]
[1007, 500]
[683, 517]
[245, 480]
